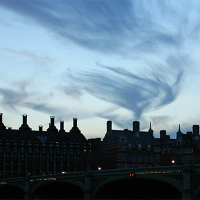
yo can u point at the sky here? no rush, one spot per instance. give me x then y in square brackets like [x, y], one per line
[118, 60]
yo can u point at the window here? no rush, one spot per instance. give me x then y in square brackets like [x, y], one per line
[122, 157]
[78, 152]
[44, 150]
[30, 151]
[37, 150]
[8, 149]
[15, 149]
[122, 147]
[22, 150]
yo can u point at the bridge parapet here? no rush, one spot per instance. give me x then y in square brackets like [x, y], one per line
[185, 178]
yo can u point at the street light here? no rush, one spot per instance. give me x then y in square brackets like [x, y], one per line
[99, 168]
[173, 161]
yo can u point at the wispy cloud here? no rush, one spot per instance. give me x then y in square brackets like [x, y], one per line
[136, 93]
[150, 30]
[53, 110]
[72, 91]
[12, 98]
[27, 54]
[114, 26]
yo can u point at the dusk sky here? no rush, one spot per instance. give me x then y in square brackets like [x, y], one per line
[100, 60]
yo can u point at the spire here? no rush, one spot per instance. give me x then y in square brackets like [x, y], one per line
[150, 126]
[150, 130]
[179, 133]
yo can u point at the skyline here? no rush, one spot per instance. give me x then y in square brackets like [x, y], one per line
[122, 61]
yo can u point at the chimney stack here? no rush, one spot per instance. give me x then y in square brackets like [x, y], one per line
[1, 118]
[52, 120]
[136, 126]
[75, 128]
[109, 126]
[24, 125]
[2, 126]
[75, 122]
[195, 129]
[162, 134]
[62, 126]
[52, 125]
[40, 128]
[24, 119]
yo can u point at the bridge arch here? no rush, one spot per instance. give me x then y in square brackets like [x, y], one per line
[78, 185]
[17, 191]
[165, 180]
[197, 193]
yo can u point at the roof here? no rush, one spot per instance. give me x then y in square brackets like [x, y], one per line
[141, 137]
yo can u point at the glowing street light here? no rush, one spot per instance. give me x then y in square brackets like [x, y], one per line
[99, 168]
[173, 161]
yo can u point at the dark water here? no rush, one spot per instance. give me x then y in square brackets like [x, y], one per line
[122, 189]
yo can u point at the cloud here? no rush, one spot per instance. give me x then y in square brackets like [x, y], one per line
[53, 110]
[114, 26]
[136, 93]
[12, 98]
[72, 91]
[139, 29]
[27, 54]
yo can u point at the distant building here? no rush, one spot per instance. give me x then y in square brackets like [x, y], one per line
[25, 151]
[135, 148]
[186, 147]
[132, 148]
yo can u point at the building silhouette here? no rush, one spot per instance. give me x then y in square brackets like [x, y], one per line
[27, 152]
[135, 148]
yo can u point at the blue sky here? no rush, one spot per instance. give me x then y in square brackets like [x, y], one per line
[100, 60]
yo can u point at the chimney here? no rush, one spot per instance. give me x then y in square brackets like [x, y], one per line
[1, 118]
[62, 126]
[195, 129]
[52, 120]
[24, 125]
[167, 138]
[2, 126]
[75, 122]
[162, 135]
[75, 129]
[40, 128]
[136, 126]
[109, 126]
[52, 125]
[24, 119]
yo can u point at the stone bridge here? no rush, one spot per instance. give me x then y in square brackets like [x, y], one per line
[184, 179]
